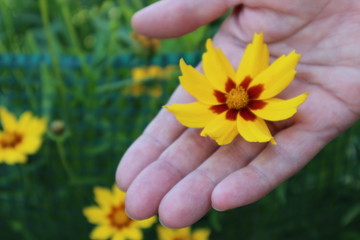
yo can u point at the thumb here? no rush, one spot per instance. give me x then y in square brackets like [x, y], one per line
[174, 18]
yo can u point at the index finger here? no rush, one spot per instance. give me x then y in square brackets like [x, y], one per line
[182, 16]
[154, 140]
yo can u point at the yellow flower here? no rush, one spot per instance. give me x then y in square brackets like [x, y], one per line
[152, 44]
[19, 138]
[231, 103]
[111, 218]
[182, 234]
[140, 75]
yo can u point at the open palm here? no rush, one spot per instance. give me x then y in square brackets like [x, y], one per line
[173, 171]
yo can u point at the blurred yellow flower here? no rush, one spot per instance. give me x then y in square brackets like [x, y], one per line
[140, 76]
[232, 103]
[152, 44]
[19, 138]
[110, 216]
[182, 234]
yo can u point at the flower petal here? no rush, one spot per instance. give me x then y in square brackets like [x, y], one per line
[167, 233]
[225, 63]
[153, 71]
[138, 74]
[201, 234]
[29, 144]
[194, 115]
[11, 156]
[220, 129]
[24, 121]
[163, 232]
[103, 197]
[102, 232]
[118, 236]
[37, 126]
[8, 120]
[146, 222]
[131, 233]
[278, 109]
[254, 131]
[94, 215]
[255, 59]
[118, 195]
[197, 84]
[277, 76]
[216, 66]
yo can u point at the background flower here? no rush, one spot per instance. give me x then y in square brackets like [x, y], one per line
[146, 80]
[152, 44]
[182, 234]
[111, 219]
[19, 138]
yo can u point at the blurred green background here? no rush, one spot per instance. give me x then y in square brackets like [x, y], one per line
[74, 62]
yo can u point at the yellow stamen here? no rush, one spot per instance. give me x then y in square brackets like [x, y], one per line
[118, 217]
[237, 98]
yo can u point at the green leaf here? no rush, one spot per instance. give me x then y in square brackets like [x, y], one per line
[351, 214]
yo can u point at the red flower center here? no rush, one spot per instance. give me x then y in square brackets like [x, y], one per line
[10, 140]
[238, 100]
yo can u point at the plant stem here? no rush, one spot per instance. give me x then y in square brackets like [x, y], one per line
[61, 150]
[8, 21]
[71, 30]
[52, 48]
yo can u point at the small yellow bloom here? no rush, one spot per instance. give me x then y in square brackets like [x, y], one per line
[140, 75]
[19, 138]
[111, 219]
[152, 44]
[182, 234]
[231, 103]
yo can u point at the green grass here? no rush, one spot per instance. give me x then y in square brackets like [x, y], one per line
[71, 61]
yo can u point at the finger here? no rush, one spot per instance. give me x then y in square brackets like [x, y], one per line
[296, 146]
[160, 133]
[189, 200]
[173, 18]
[183, 156]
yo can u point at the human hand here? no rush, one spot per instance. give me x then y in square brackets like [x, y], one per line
[173, 171]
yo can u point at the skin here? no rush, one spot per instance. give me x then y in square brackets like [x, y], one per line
[172, 171]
